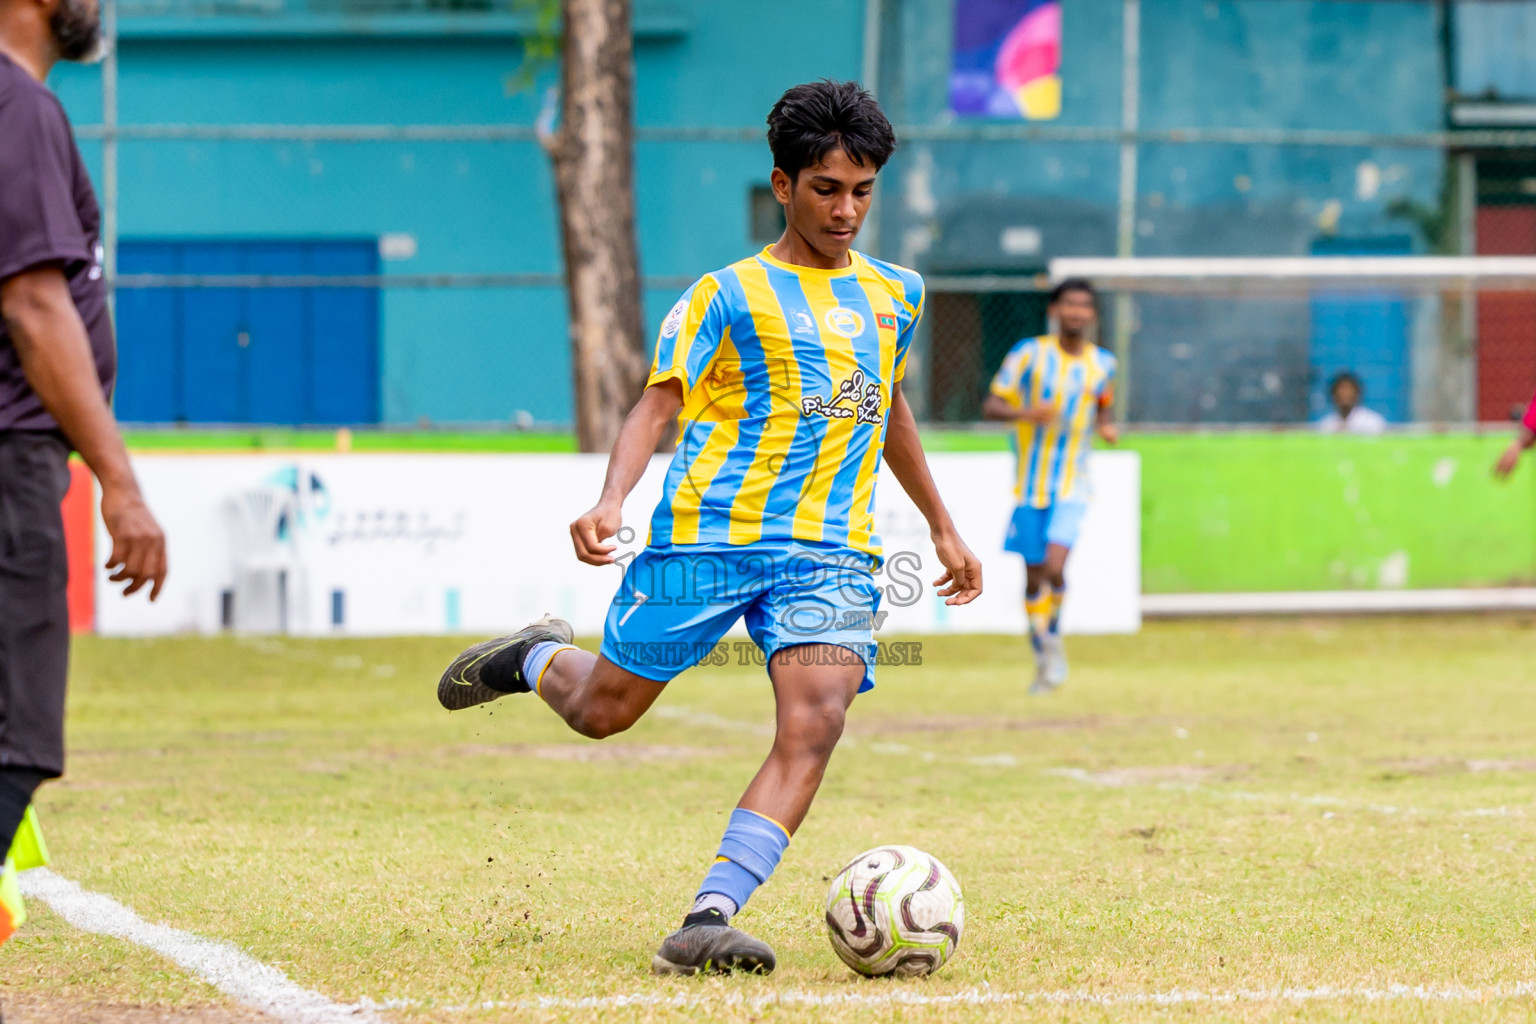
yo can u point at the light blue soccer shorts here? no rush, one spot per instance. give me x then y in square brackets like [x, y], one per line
[677, 601]
[1032, 529]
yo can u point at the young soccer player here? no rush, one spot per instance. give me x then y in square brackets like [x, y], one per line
[784, 373]
[1057, 388]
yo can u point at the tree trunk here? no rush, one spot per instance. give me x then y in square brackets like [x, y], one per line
[593, 156]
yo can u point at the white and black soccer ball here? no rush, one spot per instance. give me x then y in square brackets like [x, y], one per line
[895, 910]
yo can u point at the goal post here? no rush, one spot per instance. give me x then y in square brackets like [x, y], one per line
[1171, 275]
[1256, 340]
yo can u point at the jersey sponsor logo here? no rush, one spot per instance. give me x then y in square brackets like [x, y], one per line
[802, 323]
[863, 398]
[844, 322]
[886, 320]
[674, 321]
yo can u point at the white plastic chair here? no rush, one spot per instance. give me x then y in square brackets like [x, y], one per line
[266, 559]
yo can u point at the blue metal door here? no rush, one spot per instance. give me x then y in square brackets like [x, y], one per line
[1365, 332]
[285, 356]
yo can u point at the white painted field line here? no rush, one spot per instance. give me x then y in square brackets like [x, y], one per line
[986, 996]
[235, 973]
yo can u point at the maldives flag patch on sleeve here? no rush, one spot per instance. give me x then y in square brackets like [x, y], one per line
[886, 320]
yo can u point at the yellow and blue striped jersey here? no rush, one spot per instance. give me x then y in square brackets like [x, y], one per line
[1053, 458]
[788, 375]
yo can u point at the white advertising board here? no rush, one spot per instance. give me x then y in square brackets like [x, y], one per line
[479, 544]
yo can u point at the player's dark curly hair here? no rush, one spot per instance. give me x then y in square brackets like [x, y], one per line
[1074, 284]
[811, 119]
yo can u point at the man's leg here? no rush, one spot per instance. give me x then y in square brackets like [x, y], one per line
[1037, 605]
[650, 636]
[1054, 574]
[1026, 537]
[34, 630]
[813, 684]
[1053, 649]
[1061, 534]
[595, 697]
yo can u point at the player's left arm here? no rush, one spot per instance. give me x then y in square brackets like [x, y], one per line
[961, 581]
[1106, 429]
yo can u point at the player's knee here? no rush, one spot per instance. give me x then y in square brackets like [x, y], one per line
[600, 721]
[814, 727]
[1057, 580]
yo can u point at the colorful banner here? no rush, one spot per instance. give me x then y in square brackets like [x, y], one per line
[1007, 59]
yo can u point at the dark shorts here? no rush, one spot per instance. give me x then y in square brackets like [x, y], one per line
[34, 601]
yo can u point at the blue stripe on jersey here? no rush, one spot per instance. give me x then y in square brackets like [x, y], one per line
[721, 493]
[1068, 415]
[1047, 373]
[810, 431]
[695, 435]
[866, 348]
[666, 345]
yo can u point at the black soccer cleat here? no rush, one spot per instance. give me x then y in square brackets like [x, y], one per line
[712, 947]
[494, 669]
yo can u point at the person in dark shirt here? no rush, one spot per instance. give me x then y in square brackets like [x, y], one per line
[57, 364]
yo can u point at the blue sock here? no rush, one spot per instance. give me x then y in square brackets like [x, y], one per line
[749, 851]
[538, 658]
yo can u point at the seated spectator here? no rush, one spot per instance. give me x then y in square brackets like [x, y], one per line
[1349, 416]
[1523, 440]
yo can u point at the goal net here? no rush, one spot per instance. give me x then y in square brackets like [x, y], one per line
[1258, 340]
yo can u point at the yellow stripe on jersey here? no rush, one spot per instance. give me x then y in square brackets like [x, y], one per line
[841, 362]
[687, 500]
[779, 432]
[862, 526]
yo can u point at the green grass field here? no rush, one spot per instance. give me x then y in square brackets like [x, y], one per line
[1212, 808]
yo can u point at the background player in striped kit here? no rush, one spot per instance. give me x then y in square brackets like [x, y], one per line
[1058, 389]
[783, 372]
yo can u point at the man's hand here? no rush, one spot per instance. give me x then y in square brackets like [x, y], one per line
[1508, 460]
[589, 532]
[138, 546]
[1110, 433]
[996, 407]
[962, 569]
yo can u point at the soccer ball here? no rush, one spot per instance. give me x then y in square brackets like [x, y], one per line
[895, 910]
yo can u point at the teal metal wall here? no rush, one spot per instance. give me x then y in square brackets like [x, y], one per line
[451, 355]
[485, 356]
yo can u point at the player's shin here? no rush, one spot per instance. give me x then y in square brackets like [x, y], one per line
[1038, 609]
[1053, 619]
[749, 851]
[539, 662]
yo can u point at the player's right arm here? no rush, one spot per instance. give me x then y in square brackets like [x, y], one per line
[686, 346]
[1005, 399]
[638, 437]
